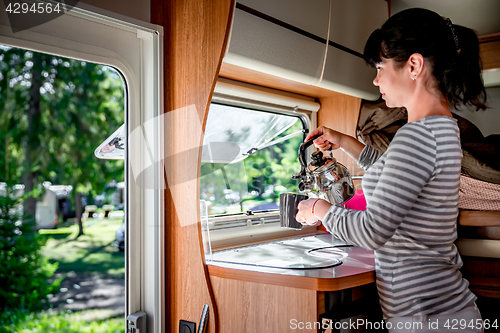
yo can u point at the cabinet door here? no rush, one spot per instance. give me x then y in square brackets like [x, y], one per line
[310, 16]
[353, 21]
[287, 39]
[349, 74]
[264, 46]
[351, 24]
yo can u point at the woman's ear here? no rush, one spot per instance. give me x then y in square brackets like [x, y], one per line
[415, 65]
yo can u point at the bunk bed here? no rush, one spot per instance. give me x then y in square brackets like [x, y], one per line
[479, 235]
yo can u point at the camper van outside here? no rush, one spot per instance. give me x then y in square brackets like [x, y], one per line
[47, 215]
[53, 205]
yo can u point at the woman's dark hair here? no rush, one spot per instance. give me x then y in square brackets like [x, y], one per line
[452, 51]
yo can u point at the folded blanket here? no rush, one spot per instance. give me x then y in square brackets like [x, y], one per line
[378, 124]
[487, 153]
[474, 168]
[478, 195]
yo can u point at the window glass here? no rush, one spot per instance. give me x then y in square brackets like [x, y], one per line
[61, 209]
[248, 159]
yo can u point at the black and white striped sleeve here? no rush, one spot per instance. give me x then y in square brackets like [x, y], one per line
[397, 181]
[368, 156]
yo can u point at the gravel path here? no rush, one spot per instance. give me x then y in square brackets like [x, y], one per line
[90, 292]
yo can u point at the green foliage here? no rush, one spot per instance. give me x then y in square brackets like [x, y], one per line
[80, 105]
[66, 322]
[273, 165]
[24, 270]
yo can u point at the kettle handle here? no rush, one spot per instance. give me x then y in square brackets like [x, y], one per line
[302, 156]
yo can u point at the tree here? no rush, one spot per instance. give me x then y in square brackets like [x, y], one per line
[276, 164]
[33, 135]
[20, 252]
[12, 125]
[55, 112]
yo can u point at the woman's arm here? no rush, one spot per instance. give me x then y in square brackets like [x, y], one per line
[406, 170]
[335, 140]
[352, 147]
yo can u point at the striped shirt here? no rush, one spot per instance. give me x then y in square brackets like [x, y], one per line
[410, 219]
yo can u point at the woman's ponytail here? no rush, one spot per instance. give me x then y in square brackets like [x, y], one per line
[467, 82]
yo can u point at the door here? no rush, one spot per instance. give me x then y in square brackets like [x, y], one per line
[134, 49]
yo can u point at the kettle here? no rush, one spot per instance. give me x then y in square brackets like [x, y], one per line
[324, 177]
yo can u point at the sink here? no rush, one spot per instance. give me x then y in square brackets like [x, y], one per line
[311, 252]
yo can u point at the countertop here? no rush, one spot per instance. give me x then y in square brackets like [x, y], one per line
[250, 264]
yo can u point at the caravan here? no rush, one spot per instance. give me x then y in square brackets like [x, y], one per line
[47, 209]
[53, 205]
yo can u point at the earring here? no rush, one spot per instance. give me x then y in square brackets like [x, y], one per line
[414, 77]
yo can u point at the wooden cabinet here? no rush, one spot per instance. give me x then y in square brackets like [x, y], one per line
[255, 307]
[261, 43]
[308, 42]
[490, 50]
[245, 306]
[260, 299]
[341, 113]
[195, 35]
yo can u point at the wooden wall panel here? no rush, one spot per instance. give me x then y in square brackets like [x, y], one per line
[479, 218]
[490, 50]
[341, 112]
[196, 33]
[248, 307]
[483, 275]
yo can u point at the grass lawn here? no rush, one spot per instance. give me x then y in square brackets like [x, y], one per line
[90, 321]
[91, 253]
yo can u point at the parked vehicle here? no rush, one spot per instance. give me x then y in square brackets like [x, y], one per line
[64, 204]
[47, 214]
[55, 201]
[114, 194]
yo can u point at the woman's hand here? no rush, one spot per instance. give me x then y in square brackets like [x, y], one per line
[329, 138]
[311, 210]
[335, 140]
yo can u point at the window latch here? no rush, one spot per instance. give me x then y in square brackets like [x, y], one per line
[251, 152]
[136, 322]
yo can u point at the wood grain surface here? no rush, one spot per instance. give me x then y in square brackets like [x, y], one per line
[489, 46]
[249, 307]
[479, 218]
[341, 112]
[195, 37]
[483, 275]
[302, 282]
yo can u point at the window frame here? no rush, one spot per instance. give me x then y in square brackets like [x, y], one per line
[257, 229]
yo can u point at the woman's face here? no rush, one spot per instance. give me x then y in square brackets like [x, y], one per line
[392, 83]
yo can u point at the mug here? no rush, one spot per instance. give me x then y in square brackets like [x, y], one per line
[289, 203]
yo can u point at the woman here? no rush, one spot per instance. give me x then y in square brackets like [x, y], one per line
[426, 64]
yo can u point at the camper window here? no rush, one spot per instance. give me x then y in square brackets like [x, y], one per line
[248, 158]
